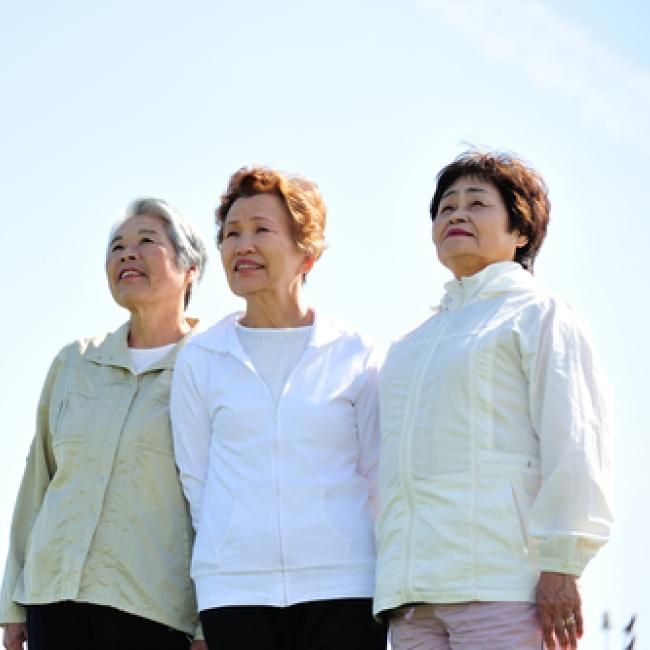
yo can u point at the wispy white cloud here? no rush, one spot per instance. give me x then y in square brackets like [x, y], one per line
[560, 57]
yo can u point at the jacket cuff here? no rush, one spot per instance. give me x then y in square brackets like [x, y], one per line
[12, 613]
[566, 554]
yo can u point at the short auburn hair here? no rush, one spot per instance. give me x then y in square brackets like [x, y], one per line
[302, 198]
[522, 189]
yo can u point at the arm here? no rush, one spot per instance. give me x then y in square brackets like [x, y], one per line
[14, 636]
[367, 414]
[39, 470]
[191, 428]
[571, 517]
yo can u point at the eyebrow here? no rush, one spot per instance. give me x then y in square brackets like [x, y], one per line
[142, 231]
[253, 218]
[469, 189]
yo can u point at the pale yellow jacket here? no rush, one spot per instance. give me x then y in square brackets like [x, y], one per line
[495, 447]
[100, 516]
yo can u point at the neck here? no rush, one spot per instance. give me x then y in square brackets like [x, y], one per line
[271, 312]
[154, 327]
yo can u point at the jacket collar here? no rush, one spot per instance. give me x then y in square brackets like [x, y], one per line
[222, 337]
[114, 350]
[496, 278]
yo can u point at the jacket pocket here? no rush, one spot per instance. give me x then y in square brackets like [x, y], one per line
[246, 540]
[74, 417]
[502, 526]
[309, 537]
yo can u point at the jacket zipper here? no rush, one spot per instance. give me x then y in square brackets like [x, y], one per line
[276, 408]
[275, 446]
[405, 455]
[276, 489]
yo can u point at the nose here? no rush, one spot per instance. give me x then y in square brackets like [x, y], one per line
[244, 245]
[127, 254]
[458, 216]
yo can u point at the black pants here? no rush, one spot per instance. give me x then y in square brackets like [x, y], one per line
[341, 624]
[79, 626]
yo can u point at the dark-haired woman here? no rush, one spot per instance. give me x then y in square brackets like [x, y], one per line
[495, 455]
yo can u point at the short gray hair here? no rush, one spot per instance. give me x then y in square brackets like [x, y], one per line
[189, 247]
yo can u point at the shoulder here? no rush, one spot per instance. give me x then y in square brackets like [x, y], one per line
[217, 337]
[330, 329]
[418, 333]
[547, 319]
[542, 305]
[84, 347]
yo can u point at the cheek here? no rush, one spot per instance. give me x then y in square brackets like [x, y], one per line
[110, 273]
[436, 231]
[224, 255]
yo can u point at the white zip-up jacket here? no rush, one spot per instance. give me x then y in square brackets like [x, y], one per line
[495, 453]
[281, 497]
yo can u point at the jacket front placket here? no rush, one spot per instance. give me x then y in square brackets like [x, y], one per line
[99, 453]
[239, 353]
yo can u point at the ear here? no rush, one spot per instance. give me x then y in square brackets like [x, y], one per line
[307, 264]
[522, 240]
[191, 274]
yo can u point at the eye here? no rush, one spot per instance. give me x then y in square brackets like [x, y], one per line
[262, 229]
[445, 208]
[146, 240]
[117, 247]
[477, 202]
[230, 233]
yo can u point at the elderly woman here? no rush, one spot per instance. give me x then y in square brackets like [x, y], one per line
[495, 453]
[276, 434]
[101, 536]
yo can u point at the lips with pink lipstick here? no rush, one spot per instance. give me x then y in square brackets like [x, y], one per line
[457, 232]
[247, 265]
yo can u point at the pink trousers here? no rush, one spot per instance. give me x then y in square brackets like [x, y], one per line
[466, 626]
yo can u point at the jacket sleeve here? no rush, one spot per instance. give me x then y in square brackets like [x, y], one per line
[191, 428]
[367, 415]
[571, 517]
[38, 473]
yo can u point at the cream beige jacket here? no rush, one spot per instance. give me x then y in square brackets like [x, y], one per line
[100, 516]
[495, 446]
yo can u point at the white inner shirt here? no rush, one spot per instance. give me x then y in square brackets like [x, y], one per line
[274, 352]
[144, 358]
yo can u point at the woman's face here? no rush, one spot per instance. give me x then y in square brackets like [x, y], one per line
[141, 265]
[470, 229]
[258, 252]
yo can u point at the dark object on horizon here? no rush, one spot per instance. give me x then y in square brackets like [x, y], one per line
[629, 631]
[629, 628]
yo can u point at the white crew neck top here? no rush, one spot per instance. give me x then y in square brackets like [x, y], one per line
[274, 352]
[143, 358]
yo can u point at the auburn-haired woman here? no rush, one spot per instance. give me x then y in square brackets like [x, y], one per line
[276, 435]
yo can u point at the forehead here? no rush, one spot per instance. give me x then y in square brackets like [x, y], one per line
[141, 222]
[470, 184]
[265, 206]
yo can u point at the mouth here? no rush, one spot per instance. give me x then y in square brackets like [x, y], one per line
[125, 274]
[242, 266]
[457, 232]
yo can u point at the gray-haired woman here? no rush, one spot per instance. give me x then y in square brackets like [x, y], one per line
[101, 537]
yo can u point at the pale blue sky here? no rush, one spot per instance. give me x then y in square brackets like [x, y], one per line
[103, 102]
